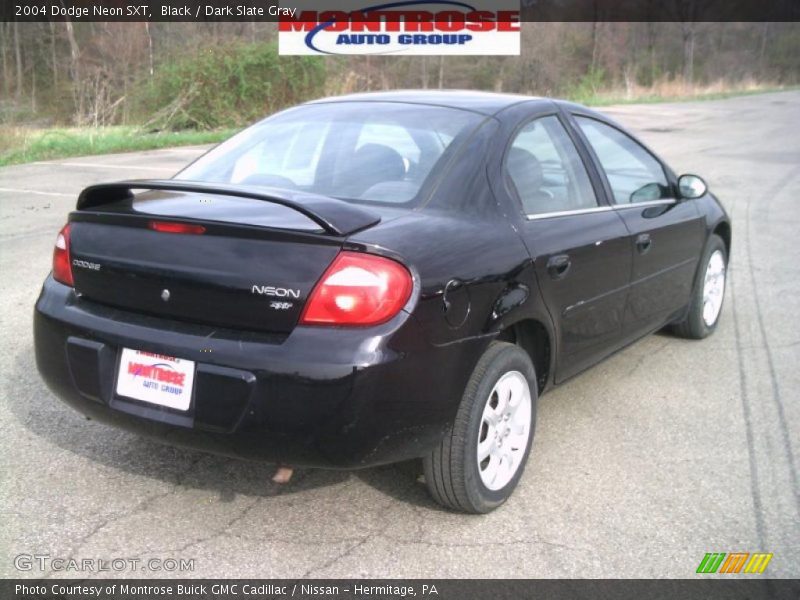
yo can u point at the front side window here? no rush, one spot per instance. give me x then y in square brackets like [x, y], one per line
[633, 173]
[546, 169]
[366, 152]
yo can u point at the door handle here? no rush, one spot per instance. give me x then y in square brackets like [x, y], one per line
[643, 243]
[558, 266]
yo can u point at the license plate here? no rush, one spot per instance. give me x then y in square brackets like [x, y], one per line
[155, 378]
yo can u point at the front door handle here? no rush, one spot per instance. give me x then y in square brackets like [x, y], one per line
[558, 266]
[643, 243]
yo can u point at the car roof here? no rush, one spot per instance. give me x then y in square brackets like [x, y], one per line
[487, 103]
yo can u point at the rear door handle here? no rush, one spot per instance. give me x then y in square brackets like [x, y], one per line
[558, 266]
[643, 243]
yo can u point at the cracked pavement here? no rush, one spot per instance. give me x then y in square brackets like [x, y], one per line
[668, 450]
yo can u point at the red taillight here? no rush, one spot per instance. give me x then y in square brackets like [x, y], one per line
[62, 269]
[168, 227]
[358, 289]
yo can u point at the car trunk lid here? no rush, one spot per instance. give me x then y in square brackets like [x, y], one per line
[249, 264]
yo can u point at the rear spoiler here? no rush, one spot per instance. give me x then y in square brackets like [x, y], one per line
[336, 217]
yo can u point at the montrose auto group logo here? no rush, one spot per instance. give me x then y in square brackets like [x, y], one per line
[405, 27]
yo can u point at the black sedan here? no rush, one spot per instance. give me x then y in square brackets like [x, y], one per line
[378, 277]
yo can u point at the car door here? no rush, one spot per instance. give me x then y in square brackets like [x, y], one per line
[580, 246]
[667, 234]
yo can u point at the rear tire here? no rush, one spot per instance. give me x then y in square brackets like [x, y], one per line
[708, 292]
[481, 459]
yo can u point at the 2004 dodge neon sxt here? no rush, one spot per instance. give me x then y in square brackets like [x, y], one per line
[372, 278]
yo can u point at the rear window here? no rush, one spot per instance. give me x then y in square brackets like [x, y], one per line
[365, 152]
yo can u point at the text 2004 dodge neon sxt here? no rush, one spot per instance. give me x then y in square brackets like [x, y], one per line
[373, 278]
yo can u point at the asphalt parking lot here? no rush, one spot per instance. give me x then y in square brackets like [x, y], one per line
[666, 451]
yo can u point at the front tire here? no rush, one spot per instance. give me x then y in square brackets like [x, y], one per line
[708, 294]
[481, 459]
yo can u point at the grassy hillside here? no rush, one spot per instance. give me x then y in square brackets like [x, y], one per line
[21, 145]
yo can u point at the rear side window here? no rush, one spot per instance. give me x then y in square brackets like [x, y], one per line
[633, 173]
[547, 171]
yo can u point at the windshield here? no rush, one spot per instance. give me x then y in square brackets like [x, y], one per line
[368, 152]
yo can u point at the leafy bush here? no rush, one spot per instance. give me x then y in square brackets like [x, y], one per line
[227, 86]
[585, 90]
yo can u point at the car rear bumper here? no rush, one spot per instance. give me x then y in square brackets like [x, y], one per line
[319, 397]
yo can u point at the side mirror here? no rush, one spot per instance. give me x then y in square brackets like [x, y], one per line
[691, 187]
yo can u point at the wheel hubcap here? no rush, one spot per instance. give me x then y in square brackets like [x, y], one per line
[504, 430]
[713, 288]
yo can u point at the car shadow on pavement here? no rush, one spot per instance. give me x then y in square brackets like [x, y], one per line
[42, 414]
[403, 482]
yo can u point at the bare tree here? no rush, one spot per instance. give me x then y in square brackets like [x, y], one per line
[5, 28]
[688, 12]
[763, 47]
[53, 60]
[74, 69]
[151, 62]
[18, 60]
[688, 51]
